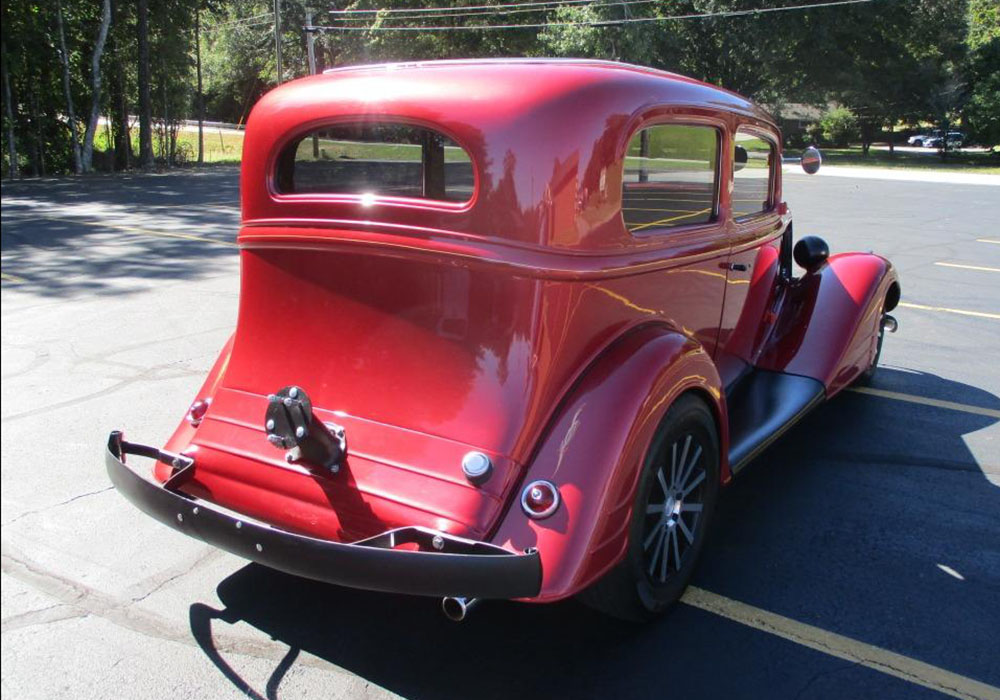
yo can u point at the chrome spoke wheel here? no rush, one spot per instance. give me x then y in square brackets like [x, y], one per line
[673, 509]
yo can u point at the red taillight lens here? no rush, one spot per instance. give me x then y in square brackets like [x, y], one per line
[197, 411]
[540, 499]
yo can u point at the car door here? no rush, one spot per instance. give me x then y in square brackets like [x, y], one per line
[755, 240]
[670, 200]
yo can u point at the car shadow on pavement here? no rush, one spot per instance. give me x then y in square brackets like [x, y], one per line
[114, 234]
[872, 519]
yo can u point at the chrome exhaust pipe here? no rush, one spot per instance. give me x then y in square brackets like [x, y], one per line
[889, 323]
[456, 608]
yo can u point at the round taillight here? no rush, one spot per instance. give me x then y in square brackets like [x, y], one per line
[197, 411]
[540, 499]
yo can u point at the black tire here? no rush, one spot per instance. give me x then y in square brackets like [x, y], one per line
[868, 375]
[658, 564]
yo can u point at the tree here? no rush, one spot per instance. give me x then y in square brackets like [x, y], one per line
[121, 135]
[70, 111]
[87, 156]
[8, 101]
[145, 100]
[981, 114]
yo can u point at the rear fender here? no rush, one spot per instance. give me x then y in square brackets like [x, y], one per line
[594, 448]
[828, 324]
[184, 433]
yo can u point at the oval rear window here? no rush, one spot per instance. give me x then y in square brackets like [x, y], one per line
[376, 159]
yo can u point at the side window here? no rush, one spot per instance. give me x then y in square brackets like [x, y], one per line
[670, 177]
[376, 158]
[753, 176]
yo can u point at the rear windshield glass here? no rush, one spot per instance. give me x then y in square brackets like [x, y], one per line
[393, 160]
[670, 177]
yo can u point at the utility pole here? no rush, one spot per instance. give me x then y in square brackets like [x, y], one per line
[277, 40]
[311, 42]
[201, 94]
[311, 52]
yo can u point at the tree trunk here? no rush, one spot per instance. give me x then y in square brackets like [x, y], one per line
[38, 162]
[168, 145]
[108, 139]
[70, 111]
[95, 83]
[892, 146]
[145, 101]
[119, 105]
[9, 108]
[201, 95]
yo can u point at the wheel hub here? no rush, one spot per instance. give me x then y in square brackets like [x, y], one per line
[673, 509]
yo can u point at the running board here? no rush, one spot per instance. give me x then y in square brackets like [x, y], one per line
[762, 406]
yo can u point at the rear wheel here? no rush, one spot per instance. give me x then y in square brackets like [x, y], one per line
[868, 375]
[673, 505]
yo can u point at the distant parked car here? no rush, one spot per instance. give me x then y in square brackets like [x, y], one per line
[920, 140]
[955, 140]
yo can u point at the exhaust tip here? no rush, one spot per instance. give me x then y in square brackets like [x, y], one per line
[455, 609]
[890, 323]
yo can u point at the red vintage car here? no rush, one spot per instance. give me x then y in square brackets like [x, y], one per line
[505, 328]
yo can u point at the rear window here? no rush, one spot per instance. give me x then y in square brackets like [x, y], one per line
[670, 177]
[378, 159]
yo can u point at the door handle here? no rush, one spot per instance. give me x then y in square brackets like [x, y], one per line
[739, 267]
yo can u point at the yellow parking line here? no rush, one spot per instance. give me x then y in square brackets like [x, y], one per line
[937, 403]
[945, 309]
[666, 211]
[135, 231]
[981, 268]
[165, 234]
[987, 240]
[876, 658]
[661, 222]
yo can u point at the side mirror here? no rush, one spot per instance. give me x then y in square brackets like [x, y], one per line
[740, 158]
[811, 160]
[811, 252]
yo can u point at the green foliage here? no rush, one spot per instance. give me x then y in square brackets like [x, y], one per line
[981, 115]
[839, 127]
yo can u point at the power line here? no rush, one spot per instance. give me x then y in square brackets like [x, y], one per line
[595, 23]
[503, 9]
[454, 8]
[244, 21]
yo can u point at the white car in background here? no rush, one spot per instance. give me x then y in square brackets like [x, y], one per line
[920, 140]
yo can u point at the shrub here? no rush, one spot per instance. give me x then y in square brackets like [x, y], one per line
[839, 127]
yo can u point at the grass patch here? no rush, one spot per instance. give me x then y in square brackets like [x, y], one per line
[331, 149]
[220, 146]
[931, 160]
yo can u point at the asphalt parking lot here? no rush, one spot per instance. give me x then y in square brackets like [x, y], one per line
[858, 557]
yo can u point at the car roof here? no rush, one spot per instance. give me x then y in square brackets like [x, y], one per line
[540, 132]
[524, 84]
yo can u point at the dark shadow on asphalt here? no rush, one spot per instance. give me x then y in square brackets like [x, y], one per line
[54, 245]
[841, 525]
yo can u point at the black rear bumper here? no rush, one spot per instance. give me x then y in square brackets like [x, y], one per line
[444, 565]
